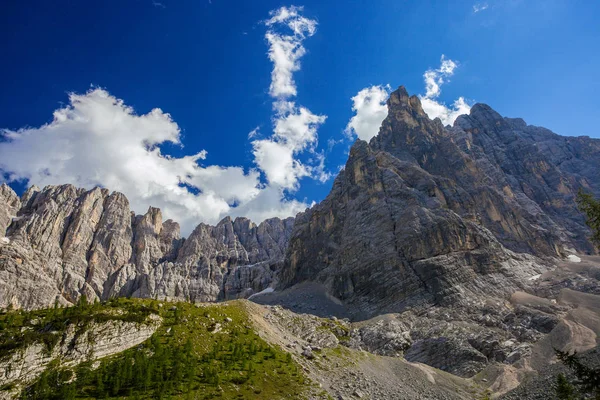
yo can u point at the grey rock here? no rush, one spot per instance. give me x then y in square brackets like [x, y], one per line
[308, 354]
[68, 242]
[430, 215]
[9, 206]
[449, 355]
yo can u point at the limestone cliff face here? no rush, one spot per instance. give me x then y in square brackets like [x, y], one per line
[62, 242]
[427, 214]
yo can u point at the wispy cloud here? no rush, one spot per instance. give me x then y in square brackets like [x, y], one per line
[478, 7]
[254, 132]
[158, 4]
[434, 79]
[285, 50]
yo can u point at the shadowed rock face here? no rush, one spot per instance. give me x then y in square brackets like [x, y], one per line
[63, 242]
[427, 214]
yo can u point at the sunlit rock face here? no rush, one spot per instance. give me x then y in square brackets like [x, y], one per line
[63, 242]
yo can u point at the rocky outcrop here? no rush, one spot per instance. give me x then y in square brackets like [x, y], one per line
[432, 215]
[63, 242]
[97, 340]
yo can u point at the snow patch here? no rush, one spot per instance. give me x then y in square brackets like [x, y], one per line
[535, 277]
[265, 291]
[573, 258]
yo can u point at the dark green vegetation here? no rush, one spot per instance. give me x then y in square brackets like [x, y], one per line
[591, 208]
[586, 383]
[199, 352]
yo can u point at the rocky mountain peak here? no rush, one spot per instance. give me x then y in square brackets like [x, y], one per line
[422, 212]
[400, 100]
[418, 215]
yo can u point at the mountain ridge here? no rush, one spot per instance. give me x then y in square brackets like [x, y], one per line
[91, 243]
[486, 182]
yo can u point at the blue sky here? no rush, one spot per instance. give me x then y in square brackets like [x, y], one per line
[206, 63]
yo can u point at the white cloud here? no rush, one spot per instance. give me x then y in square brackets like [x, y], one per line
[477, 7]
[278, 163]
[297, 128]
[371, 109]
[286, 50]
[434, 79]
[97, 140]
[254, 132]
[319, 171]
[270, 202]
[295, 131]
[294, 127]
[370, 106]
[447, 114]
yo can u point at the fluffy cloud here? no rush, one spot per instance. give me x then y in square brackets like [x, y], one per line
[369, 104]
[294, 127]
[370, 107]
[278, 162]
[294, 132]
[434, 79]
[270, 202]
[297, 128]
[97, 140]
[447, 114]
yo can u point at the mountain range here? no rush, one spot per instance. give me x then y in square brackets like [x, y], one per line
[460, 247]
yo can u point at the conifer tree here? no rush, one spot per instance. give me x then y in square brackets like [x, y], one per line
[587, 379]
[591, 208]
[564, 390]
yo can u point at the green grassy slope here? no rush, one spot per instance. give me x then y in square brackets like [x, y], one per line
[200, 352]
